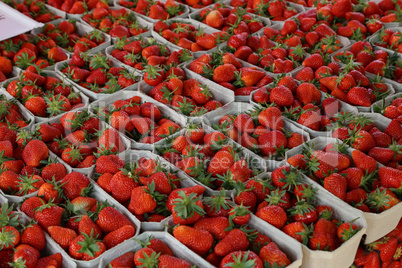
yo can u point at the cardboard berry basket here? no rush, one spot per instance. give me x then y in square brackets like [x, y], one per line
[141, 22]
[92, 95]
[104, 126]
[382, 104]
[149, 40]
[15, 199]
[185, 9]
[376, 38]
[198, 25]
[313, 133]
[219, 93]
[132, 157]
[85, 99]
[99, 195]
[288, 245]
[266, 21]
[236, 108]
[50, 248]
[397, 86]
[342, 211]
[82, 29]
[378, 224]
[28, 116]
[166, 113]
[178, 249]
[254, 161]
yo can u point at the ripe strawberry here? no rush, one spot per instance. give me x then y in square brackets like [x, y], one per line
[34, 152]
[314, 61]
[234, 241]
[199, 241]
[34, 236]
[118, 236]
[62, 236]
[109, 219]
[125, 260]
[240, 258]
[274, 215]
[274, 255]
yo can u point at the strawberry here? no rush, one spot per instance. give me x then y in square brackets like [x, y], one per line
[142, 200]
[241, 258]
[48, 215]
[363, 161]
[234, 241]
[314, 61]
[109, 219]
[125, 260]
[199, 241]
[118, 236]
[62, 236]
[273, 255]
[274, 215]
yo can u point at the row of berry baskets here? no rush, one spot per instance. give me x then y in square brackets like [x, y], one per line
[295, 173]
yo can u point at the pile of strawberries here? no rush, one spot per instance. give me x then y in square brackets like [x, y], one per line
[347, 20]
[303, 32]
[89, 227]
[348, 83]
[139, 53]
[188, 36]
[393, 110]
[197, 4]
[24, 50]
[233, 21]
[364, 185]
[138, 120]
[22, 245]
[288, 203]
[97, 73]
[115, 22]
[154, 250]
[386, 11]
[299, 102]
[144, 187]
[260, 130]
[391, 39]
[66, 36]
[226, 70]
[43, 94]
[187, 96]
[276, 10]
[77, 6]
[78, 138]
[265, 54]
[10, 114]
[33, 9]
[385, 252]
[377, 62]
[220, 231]
[208, 157]
[26, 165]
[360, 132]
[154, 9]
